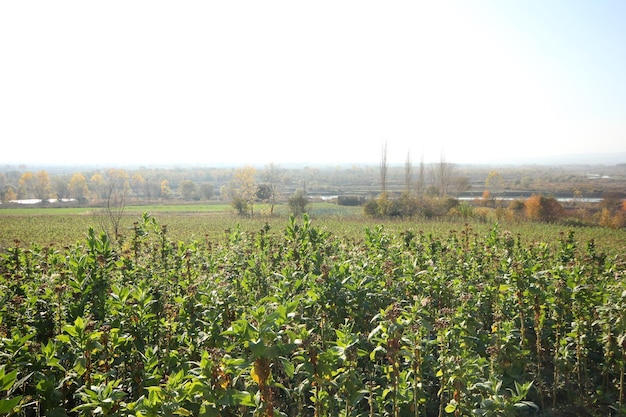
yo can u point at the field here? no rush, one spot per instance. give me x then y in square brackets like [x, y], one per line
[196, 311]
[59, 227]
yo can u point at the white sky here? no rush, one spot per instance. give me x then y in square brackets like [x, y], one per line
[207, 82]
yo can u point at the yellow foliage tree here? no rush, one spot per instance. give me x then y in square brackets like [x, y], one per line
[9, 195]
[244, 186]
[43, 186]
[78, 187]
[26, 186]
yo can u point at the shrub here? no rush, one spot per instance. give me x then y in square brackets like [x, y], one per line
[541, 208]
[350, 200]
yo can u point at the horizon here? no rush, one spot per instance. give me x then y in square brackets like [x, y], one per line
[577, 160]
[147, 83]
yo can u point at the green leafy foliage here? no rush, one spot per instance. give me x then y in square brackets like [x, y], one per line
[300, 322]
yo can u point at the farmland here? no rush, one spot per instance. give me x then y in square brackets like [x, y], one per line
[196, 311]
[59, 227]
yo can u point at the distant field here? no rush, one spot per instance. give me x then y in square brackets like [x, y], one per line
[60, 227]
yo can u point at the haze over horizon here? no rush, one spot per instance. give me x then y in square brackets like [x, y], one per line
[159, 83]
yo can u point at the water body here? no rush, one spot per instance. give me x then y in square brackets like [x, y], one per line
[37, 200]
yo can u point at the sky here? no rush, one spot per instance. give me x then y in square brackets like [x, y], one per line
[324, 82]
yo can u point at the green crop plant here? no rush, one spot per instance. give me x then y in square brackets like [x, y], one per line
[283, 317]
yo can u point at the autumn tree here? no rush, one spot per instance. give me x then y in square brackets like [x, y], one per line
[487, 199]
[9, 194]
[543, 209]
[244, 187]
[138, 185]
[77, 187]
[98, 186]
[494, 183]
[43, 186]
[515, 210]
[611, 214]
[612, 201]
[26, 186]
[165, 190]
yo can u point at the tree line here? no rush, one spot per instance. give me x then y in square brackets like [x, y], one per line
[426, 189]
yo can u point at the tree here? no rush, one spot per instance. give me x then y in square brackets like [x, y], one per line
[9, 194]
[165, 190]
[487, 199]
[271, 175]
[264, 192]
[77, 187]
[187, 189]
[138, 185]
[421, 178]
[26, 186]
[612, 201]
[244, 186]
[494, 184]
[240, 205]
[544, 209]
[299, 202]
[207, 191]
[408, 172]
[443, 172]
[98, 186]
[115, 192]
[383, 170]
[61, 187]
[459, 184]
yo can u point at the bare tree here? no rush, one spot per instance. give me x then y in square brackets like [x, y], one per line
[421, 178]
[271, 175]
[383, 169]
[408, 172]
[115, 190]
[443, 172]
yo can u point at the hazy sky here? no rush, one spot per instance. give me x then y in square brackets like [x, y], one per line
[209, 82]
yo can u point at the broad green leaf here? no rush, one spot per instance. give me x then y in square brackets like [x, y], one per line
[7, 405]
[450, 408]
[8, 380]
[287, 366]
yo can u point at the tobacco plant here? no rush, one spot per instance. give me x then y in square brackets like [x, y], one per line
[296, 321]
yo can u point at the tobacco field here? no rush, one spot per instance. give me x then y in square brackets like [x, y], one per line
[299, 322]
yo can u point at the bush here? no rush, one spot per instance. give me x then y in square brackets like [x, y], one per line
[350, 200]
[371, 209]
[298, 203]
[240, 205]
